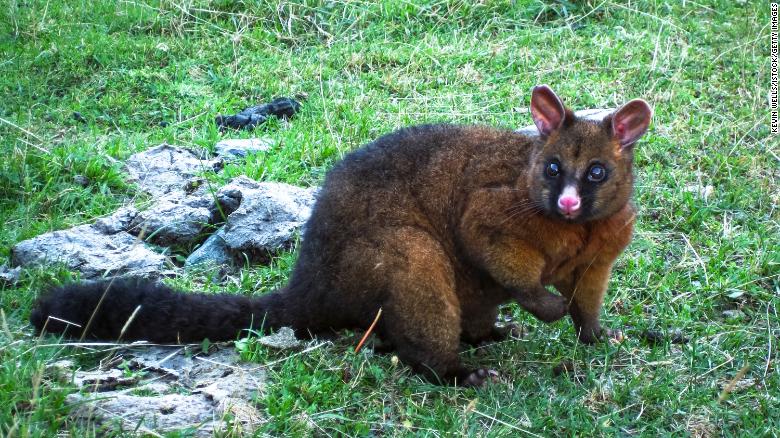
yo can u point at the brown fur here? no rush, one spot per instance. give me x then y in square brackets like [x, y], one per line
[440, 224]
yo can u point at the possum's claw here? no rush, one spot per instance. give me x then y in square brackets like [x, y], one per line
[480, 377]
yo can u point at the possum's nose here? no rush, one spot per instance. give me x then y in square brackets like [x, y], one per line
[569, 201]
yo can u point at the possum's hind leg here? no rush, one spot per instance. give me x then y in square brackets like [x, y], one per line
[480, 311]
[479, 325]
[421, 316]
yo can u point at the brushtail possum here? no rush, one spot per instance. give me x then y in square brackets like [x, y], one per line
[437, 225]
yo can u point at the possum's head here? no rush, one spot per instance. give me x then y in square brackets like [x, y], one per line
[581, 170]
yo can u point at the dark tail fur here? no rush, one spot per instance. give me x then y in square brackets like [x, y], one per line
[102, 309]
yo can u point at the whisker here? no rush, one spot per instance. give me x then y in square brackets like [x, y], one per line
[524, 208]
[504, 189]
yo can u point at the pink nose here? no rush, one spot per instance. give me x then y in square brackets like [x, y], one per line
[569, 204]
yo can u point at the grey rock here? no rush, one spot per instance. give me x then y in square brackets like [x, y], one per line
[175, 389]
[120, 220]
[165, 168]
[9, 276]
[283, 339]
[262, 219]
[176, 218]
[100, 381]
[155, 388]
[61, 370]
[184, 205]
[595, 114]
[88, 250]
[241, 147]
[213, 252]
[194, 369]
[149, 415]
[229, 199]
[268, 217]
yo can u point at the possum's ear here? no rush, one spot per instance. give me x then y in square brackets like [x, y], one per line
[630, 122]
[546, 109]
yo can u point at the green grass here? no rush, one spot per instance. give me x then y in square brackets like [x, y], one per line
[367, 69]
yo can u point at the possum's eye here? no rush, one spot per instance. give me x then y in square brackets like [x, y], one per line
[553, 169]
[596, 173]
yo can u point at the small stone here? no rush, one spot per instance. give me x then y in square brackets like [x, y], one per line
[614, 336]
[77, 116]
[733, 314]
[9, 276]
[563, 367]
[61, 370]
[241, 147]
[260, 219]
[700, 190]
[81, 180]
[213, 252]
[283, 339]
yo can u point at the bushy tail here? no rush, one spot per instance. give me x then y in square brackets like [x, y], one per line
[135, 309]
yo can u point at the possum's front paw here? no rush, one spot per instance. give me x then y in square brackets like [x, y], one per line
[554, 307]
[479, 378]
[590, 334]
[549, 307]
[543, 304]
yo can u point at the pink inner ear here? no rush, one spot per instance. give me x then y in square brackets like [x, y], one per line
[620, 130]
[630, 122]
[546, 109]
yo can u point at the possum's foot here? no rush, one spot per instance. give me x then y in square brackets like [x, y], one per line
[507, 331]
[480, 377]
[614, 336]
[599, 334]
[498, 334]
